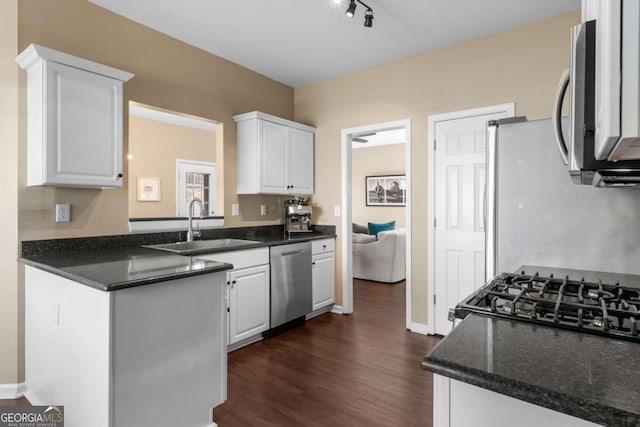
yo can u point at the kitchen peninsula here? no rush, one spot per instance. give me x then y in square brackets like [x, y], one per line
[126, 337]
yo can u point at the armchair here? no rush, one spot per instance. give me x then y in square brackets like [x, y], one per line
[382, 260]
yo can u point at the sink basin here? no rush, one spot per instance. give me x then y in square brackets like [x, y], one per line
[202, 246]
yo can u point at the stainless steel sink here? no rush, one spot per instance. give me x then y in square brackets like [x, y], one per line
[202, 246]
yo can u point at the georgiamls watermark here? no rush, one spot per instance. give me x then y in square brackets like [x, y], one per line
[31, 416]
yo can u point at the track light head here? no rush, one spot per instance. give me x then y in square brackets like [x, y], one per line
[368, 18]
[351, 10]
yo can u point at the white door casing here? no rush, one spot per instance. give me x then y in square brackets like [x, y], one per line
[346, 200]
[456, 249]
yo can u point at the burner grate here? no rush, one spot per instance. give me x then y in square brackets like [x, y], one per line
[596, 307]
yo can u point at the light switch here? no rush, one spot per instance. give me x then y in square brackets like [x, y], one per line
[336, 211]
[235, 209]
[63, 212]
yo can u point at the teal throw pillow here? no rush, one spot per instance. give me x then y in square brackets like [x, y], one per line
[376, 228]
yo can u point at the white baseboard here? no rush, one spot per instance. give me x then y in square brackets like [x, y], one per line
[419, 328]
[12, 391]
[337, 309]
[318, 312]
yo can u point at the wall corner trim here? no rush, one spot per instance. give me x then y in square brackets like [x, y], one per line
[12, 391]
[337, 309]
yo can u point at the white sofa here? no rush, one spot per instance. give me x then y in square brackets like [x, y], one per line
[382, 260]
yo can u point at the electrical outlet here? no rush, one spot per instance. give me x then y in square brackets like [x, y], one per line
[63, 212]
[263, 210]
[235, 209]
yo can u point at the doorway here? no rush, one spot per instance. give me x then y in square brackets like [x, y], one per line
[457, 147]
[347, 214]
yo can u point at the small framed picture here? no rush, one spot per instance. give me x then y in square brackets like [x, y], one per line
[386, 190]
[148, 189]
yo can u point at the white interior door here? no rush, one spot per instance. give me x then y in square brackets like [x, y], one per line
[459, 211]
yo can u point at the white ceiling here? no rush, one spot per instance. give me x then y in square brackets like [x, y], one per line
[387, 137]
[304, 41]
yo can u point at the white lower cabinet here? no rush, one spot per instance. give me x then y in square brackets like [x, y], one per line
[458, 404]
[248, 306]
[323, 273]
[247, 295]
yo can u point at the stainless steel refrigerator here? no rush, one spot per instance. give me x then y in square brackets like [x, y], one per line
[535, 215]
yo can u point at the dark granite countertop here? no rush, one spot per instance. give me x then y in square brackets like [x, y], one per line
[110, 270]
[587, 376]
[110, 263]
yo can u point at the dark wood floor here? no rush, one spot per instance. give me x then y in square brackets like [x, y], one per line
[357, 370]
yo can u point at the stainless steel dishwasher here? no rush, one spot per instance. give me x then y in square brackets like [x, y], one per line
[290, 282]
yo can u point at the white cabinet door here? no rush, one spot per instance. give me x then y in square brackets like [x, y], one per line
[274, 158]
[83, 128]
[74, 120]
[248, 302]
[301, 165]
[323, 280]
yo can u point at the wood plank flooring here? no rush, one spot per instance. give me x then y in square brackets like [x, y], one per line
[356, 370]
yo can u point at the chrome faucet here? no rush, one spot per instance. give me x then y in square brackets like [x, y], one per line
[190, 233]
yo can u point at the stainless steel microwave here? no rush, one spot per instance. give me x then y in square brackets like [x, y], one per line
[579, 152]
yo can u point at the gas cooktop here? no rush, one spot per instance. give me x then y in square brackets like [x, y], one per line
[600, 308]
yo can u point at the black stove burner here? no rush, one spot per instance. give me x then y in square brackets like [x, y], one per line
[595, 307]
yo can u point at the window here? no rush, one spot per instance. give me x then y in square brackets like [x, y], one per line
[195, 179]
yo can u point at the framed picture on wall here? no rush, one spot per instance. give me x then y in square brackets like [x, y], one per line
[148, 189]
[386, 190]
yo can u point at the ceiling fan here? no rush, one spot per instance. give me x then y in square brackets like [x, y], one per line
[361, 137]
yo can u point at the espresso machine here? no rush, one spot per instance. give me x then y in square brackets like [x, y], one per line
[297, 215]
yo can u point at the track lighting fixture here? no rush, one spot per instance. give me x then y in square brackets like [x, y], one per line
[351, 9]
[368, 14]
[368, 18]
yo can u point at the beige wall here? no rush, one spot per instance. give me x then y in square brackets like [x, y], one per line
[168, 74]
[381, 160]
[521, 65]
[155, 146]
[10, 363]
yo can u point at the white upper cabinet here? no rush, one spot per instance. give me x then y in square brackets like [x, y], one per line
[275, 156]
[617, 100]
[74, 121]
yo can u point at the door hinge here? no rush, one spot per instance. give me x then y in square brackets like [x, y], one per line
[435, 144]
[227, 309]
[434, 299]
[435, 222]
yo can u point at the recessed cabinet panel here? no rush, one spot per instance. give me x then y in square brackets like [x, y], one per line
[248, 302]
[301, 166]
[84, 133]
[323, 280]
[273, 157]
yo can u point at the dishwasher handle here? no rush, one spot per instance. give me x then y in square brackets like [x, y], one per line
[299, 251]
